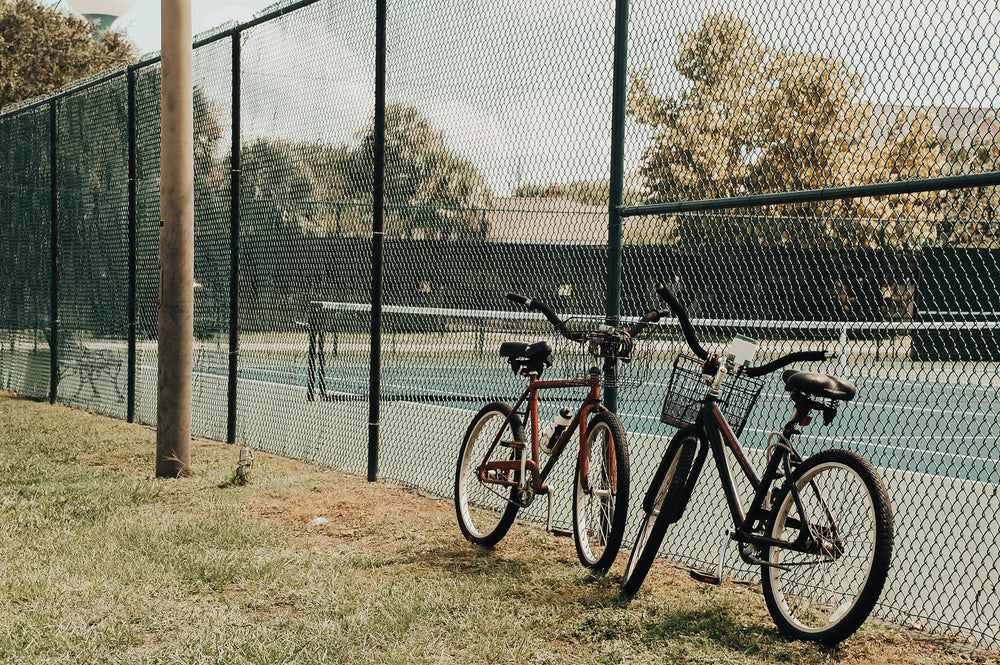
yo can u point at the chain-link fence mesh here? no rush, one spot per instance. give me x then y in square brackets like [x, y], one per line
[92, 172]
[777, 98]
[25, 248]
[498, 145]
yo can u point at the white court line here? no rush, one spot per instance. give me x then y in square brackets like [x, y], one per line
[914, 451]
[859, 440]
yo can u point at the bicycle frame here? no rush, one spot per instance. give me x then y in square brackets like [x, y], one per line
[531, 475]
[748, 525]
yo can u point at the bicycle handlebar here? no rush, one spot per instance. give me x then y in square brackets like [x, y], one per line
[549, 313]
[794, 357]
[761, 370]
[682, 318]
[652, 316]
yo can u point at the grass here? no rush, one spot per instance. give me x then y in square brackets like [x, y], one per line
[102, 563]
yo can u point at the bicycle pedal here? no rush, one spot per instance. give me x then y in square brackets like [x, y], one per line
[707, 578]
[516, 445]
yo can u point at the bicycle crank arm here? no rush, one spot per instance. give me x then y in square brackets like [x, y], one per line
[749, 558]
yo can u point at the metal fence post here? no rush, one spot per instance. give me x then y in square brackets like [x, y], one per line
[378, 242]
[616, 185]
[54, 253]
[133, 246]
[234, 241]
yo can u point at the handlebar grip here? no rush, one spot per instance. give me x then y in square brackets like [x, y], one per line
[652, 316]
[518, 298]
[798, 356]
[683, 319]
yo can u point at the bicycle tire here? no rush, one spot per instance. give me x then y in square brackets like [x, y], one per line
[599, 514]
[485, 511]
[825, 596]
[659, 509]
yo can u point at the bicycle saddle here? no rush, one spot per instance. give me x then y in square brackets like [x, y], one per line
[532, 356]
[818, 385]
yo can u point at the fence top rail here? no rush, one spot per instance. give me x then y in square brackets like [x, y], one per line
[760, 200]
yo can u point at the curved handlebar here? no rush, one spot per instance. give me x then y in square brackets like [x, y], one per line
[797, 356]
[761, 370]
[549, 313]
[652, 316]
[682, 318]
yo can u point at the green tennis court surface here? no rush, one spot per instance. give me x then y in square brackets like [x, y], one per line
[928, 417]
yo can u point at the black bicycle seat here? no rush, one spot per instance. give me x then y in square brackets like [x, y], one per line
[532, 356]
[818, 385]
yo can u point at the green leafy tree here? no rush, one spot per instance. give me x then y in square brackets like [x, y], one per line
[336, 211]
[758, 119]
[275, 194]
[42, 49]
[430, 192]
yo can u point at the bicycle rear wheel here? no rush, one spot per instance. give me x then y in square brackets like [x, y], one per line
[486, 510]
[660, 509]
[824, 594]
[600, 505]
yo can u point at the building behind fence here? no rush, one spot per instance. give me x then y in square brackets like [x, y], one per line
[811, 186]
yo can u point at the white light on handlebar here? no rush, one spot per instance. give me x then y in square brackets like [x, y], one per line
[742, 350]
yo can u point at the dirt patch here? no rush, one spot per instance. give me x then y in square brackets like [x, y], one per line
[349, 508]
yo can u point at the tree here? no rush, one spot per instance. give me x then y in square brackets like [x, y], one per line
[42, 49]
[275, 194]
[972, 215]
[758, 119]
[430, 192]
[911, 149]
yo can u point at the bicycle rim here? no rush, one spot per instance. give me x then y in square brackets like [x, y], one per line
[485, 511]
[826, 594]
[599, 512]
[651, 530]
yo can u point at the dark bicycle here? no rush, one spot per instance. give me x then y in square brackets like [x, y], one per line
[820, 528]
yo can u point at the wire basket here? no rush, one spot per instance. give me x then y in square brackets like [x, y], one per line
[687, 390]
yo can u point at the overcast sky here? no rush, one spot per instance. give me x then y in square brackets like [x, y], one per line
[142, 23]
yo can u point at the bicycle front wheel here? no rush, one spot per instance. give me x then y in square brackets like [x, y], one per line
[486, 509]
[660, 509]
[600, 499]
[825, 588]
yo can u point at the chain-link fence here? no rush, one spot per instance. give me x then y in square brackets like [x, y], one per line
[810, 176]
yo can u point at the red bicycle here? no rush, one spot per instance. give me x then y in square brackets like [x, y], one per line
[499, 468]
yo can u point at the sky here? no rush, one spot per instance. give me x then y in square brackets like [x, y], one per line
[142, 23]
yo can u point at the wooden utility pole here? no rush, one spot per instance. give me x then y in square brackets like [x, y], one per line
[176, 308]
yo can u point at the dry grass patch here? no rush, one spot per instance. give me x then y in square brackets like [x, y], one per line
[101, 563]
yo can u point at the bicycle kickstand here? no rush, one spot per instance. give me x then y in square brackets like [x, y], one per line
[548, 510]
[709, 578]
